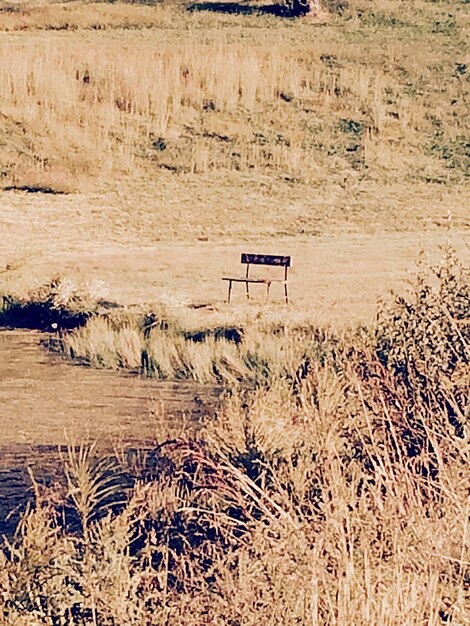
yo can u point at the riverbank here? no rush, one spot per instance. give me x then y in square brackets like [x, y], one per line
[351, 472]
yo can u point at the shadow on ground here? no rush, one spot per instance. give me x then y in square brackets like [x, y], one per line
[238, 8]
[334, 6]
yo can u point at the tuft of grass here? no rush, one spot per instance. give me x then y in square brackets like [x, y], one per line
[260, 354]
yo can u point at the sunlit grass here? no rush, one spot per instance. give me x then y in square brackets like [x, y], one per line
[337, 496]
[301, 103]
[330, 487]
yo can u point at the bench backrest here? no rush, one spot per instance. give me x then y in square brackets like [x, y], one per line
[266, 259]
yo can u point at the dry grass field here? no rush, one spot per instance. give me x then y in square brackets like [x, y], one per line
[156, 124]
[102, 91]
[143, 147]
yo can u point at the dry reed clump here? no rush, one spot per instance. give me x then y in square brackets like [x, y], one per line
[257, 354]
[304, 111]
[61, 303]
[335, 496]
[99, 344]
[424, 337]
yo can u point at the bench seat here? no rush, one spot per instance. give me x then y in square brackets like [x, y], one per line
[255, 280]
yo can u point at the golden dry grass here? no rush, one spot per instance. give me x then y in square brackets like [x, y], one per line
[334, 279]
[339, 496]
[197, 92]
[335, 490]
[171, 125]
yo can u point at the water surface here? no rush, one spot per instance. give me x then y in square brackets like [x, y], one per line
[47, 403]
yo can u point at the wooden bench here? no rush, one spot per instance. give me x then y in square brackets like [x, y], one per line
[261, 259]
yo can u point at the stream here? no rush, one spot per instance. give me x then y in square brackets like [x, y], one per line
[47, 403]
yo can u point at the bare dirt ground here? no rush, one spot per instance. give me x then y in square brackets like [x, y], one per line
[171, 248]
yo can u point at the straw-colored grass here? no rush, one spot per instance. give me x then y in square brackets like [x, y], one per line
[260, 354]
[295, 101]
[338, 497]
[331, 487]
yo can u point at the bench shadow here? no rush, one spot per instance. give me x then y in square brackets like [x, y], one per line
[238, 8]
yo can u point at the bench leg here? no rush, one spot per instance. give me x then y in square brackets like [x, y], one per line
[268, 287]
[285, 293]
[229, 290]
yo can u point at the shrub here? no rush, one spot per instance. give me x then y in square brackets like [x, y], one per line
[424, 337]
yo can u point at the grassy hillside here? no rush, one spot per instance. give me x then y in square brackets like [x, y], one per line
[370, 102]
